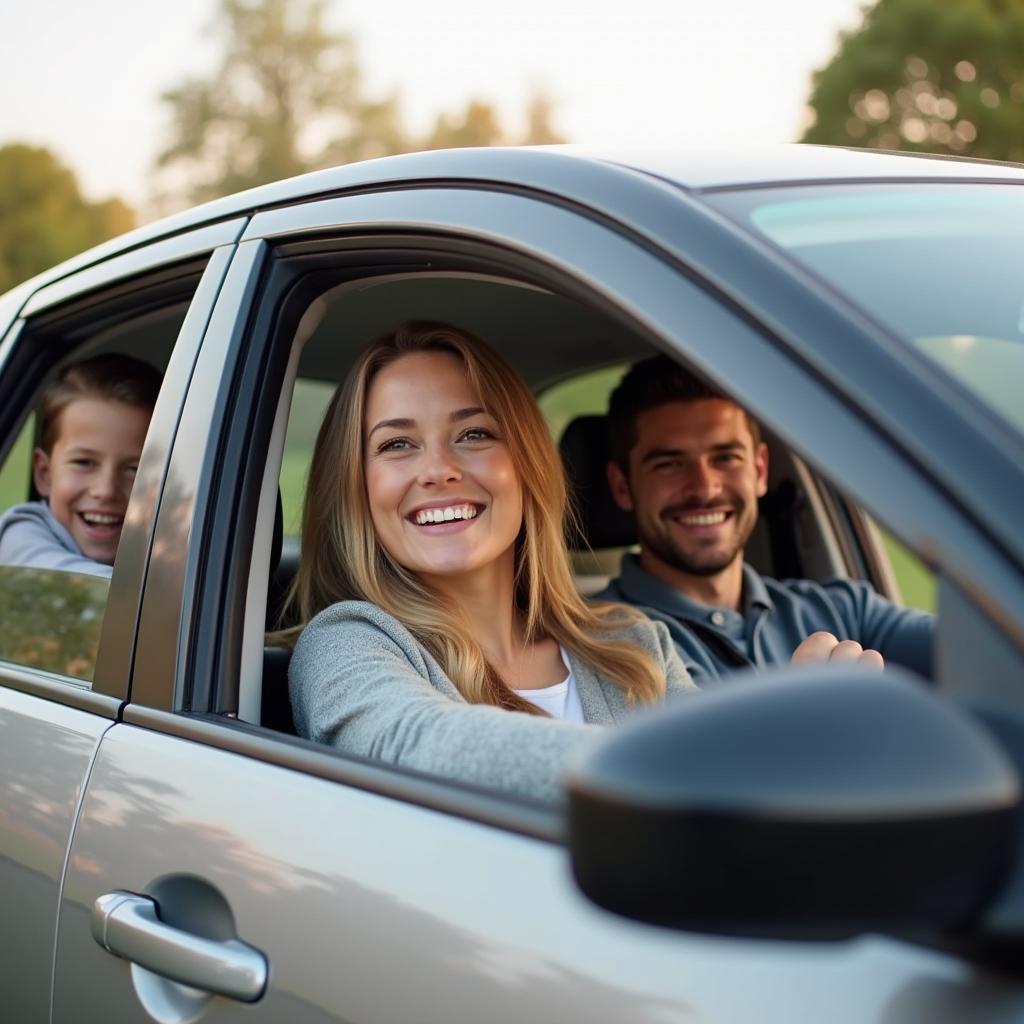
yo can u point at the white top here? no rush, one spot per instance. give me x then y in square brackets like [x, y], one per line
[561, 700]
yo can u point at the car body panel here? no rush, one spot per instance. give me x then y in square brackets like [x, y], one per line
[369, 910]
[174, 249]
[46, 751]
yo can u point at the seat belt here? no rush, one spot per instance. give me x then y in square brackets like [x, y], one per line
[718, 644]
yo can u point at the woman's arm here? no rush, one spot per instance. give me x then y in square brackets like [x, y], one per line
[361, 683]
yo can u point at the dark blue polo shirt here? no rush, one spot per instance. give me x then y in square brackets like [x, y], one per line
[777, 615]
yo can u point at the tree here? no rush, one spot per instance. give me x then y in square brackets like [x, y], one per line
[44, 218]
[480, 125]
[922, 76]
[477, 125]
[539, 129]
[287, 98]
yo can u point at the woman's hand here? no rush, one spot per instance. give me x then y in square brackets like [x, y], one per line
[824, 646]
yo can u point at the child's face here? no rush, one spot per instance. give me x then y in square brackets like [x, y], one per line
[89, 473]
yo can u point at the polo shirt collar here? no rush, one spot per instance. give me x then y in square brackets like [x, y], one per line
[640, 587]
[755, 593]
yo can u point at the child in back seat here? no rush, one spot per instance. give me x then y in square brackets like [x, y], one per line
[93, 421]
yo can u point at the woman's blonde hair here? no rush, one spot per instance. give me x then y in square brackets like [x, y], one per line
[344, 560]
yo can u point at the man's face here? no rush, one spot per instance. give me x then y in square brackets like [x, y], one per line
[693, 484]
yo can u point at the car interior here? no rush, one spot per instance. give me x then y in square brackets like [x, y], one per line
[571, 355]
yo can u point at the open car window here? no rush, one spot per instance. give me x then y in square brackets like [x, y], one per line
[53, 593]
[571, 355]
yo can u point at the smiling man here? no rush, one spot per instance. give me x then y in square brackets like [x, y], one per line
[689, 463]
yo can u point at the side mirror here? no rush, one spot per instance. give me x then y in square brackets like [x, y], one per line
[797, 806]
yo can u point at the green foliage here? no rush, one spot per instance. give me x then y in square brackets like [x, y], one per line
[288, 97]
[43, 217]
[286, 93]
[17, 468]
[479, 125]
[927, 77]
[917, 583]
[309, 404]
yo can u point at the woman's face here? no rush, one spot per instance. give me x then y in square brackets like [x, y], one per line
[445, 498]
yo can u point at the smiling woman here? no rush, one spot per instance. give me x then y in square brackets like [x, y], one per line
[441, 596]
[444, 494]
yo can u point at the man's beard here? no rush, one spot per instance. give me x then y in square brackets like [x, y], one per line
[694, 562]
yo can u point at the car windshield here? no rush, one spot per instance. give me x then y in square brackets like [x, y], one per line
[942, 265]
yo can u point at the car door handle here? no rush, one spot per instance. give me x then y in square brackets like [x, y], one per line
[129, 926]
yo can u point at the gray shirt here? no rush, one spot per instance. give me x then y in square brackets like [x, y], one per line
[31, 536]
[362, 683]
[776, 616]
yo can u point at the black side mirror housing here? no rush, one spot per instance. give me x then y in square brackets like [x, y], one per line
[806, 804]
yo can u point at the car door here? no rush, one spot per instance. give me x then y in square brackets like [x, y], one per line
[220, 870]
[67, 638]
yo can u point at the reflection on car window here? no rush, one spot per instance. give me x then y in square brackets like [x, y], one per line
[901, 252]
[51, 619]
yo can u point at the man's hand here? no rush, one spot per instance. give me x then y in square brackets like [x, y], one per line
[823, 646]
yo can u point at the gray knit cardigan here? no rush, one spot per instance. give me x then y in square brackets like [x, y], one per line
[360, 682]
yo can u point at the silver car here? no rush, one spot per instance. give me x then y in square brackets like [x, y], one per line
[782, 850]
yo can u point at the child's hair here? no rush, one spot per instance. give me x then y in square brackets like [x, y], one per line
[110, 378]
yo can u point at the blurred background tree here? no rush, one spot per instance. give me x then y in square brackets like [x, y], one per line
[288, 88]
[43, 216]
[929, 77]
[479, 125]
[288, 97]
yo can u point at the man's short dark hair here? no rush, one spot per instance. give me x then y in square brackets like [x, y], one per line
[648, 384]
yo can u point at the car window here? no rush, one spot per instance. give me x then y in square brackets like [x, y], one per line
[58, 548]
[579, 389]
[900, 251]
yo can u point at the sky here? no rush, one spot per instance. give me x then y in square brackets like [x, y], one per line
[85, 78]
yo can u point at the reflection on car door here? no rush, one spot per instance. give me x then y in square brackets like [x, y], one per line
[45, 753]
[371, 909]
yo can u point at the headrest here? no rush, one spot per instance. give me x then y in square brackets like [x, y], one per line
[585, 452]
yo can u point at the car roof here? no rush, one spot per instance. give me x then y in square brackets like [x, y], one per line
[759, 167]
[564, 167]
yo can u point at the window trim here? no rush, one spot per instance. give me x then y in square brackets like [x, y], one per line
[62, 689]
[135, 263]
